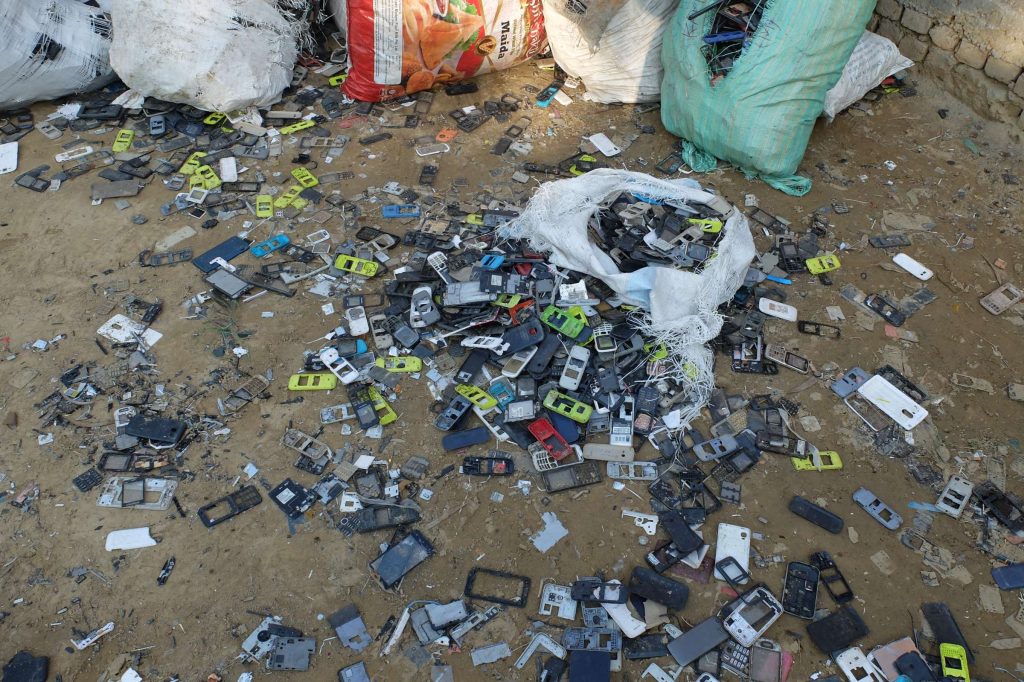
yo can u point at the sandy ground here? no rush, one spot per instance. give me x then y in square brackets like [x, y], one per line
[60, 253]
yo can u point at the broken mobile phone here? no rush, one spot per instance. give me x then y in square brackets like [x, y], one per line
[850, 382]
[293, 499]
[464, 88]
[877, 509]
[875, 419]
[400, 558]
[372, 139]
[651, 585]
[156, 429]
[571, 476]
[716, 448]
[748, 616]
[837, 630]
[697, 641]
[732, 572]
[818, 329]
[781, 445]
[913, 666]
[884, 657]
[451, 415]
[545, 96]
[364, 300]
[885, 309]
[597, 590]
[893, 376]
[832, 578]
[664, 556]
[800, 591]
[819, 516]
[466, 438]
[944, 627]
[592, 639]
[492, 586]
[487, 466]
[1000, 506]
[1002, 299]
[372, 518]
[670, 164]
[886, 241]
[428, 175]
[678, 528]
[955, 496]
[229, 506]
[88, 480]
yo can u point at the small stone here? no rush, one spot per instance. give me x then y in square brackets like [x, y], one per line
[944, 37]
[970, 54]
[854, 535]
[990, 599]
[810, 423]
[1002, 71]
[883, 562]
[1004, 644]
[139, 219]
[916, 21]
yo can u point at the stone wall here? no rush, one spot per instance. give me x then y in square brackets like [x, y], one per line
[975, 48]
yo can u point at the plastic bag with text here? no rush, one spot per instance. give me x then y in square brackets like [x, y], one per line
[403, 46]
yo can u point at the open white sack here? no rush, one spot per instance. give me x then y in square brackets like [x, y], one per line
[615, 47]
[874, 59]
[51, 48]
[217, 56]
[682, 307]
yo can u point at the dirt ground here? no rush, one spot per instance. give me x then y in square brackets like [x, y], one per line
[60, 253]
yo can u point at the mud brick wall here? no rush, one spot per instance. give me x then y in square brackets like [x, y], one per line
[975, 48]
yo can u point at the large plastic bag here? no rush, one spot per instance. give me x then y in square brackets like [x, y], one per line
[873, 60]
[217, 56]
[615, 46]
[51, 48]
[760, 115]
[403, 46]
[682, 307]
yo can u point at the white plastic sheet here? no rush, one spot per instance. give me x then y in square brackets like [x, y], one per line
[129, 538]
[615, 47]
[873, 60]
[51, 48]
[217, 56]
[682, 307]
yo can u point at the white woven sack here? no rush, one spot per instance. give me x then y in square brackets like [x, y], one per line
[623, 63]
[873, 60]
[51, 48]
[217, 56]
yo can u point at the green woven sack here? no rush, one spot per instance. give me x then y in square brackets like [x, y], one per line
[760, 115]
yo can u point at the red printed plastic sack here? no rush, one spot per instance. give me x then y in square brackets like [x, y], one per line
[403, 46]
